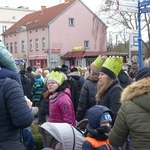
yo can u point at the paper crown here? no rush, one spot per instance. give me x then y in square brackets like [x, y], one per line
[79, 69]
[97, 63]
[57, 77]
[112, 66]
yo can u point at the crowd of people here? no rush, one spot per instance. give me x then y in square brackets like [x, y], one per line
[114, 101]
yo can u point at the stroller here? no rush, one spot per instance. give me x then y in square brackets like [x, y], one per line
[70, 137]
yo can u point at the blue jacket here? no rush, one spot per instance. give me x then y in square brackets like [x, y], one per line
[37, 89]
[14, 113]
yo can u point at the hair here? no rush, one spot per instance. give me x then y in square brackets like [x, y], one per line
[93, 76]
[102, 89]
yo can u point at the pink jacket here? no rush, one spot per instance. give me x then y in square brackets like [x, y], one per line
[61, 108]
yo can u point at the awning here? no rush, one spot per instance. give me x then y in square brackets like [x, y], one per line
[73, 54]
[91, 53]
[80, 54]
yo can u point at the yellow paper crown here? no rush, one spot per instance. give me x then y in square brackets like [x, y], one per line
[57, 77]
[98, 62]
[79, 69]
[114, 64]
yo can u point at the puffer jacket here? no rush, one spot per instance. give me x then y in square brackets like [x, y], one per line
[14, 113]
[133, 117]
[61, 108]
[87, 98]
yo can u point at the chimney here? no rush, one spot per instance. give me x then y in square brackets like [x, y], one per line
[43, 7]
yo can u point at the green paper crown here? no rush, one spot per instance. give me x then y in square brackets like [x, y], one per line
[114, 64]
[79, 69]
[57, 77]
[98, 62]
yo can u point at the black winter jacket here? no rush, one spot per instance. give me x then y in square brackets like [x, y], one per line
[111, 98]
[87, 99]
[14, 113]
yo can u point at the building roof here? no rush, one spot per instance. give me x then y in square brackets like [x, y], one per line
[42, 18]
[39, 18]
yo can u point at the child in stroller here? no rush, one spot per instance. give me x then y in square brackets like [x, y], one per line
[61, 136]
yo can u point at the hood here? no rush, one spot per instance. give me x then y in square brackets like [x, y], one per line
[76, 73]
[94, 115]
[123, 77]
[66, 134]
[139, 92]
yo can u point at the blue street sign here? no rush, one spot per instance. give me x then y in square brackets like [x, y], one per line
[145, 3]
[145, 10]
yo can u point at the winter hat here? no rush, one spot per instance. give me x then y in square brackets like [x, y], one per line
[74, 69]
[79, 69]
[94, 115]
[97, 63]
[29, 68]
[112, 66]
[105, 117]
[143, 73]
[57, 77]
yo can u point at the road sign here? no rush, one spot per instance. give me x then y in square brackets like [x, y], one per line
[144, 3]
[133, 41]
[128, 9]
[128, 3]
[145, 10]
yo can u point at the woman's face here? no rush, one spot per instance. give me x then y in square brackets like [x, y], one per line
[52, 86]
[103, 78]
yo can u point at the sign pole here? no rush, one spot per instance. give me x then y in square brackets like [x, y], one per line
[139, 37]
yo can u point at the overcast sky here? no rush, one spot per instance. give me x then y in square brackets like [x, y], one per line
[36, 4]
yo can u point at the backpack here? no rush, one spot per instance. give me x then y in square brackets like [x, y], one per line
[28, 139]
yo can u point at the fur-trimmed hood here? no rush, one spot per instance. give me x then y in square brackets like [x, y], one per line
[137, 88]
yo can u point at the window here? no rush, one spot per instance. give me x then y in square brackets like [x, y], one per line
[31, 45]
[11, 48]
[86, 44]
[23, 46]
[43, 43]
[71, 21]
[15, 47]
[7, 46]
[37, 44]
[4, 28]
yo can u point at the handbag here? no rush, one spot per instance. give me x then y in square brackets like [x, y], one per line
[12, 145]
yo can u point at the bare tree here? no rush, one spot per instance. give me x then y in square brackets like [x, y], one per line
[108, 11]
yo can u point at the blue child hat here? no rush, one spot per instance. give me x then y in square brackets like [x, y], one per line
[105, 117]
[94, 115]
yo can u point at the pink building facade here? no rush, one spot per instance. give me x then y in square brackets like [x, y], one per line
[46, 37]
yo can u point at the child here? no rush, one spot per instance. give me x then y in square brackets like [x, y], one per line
[99, 125]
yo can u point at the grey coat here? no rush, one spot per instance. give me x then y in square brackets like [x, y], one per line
[133, 118]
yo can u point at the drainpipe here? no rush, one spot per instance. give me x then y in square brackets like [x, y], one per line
[49, 65]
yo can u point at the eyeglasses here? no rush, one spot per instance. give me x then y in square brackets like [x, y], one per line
[51, 83]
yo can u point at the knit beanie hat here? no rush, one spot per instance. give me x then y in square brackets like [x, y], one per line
[143, 73]
[57, 77]
[97, 63]
[112, 66]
